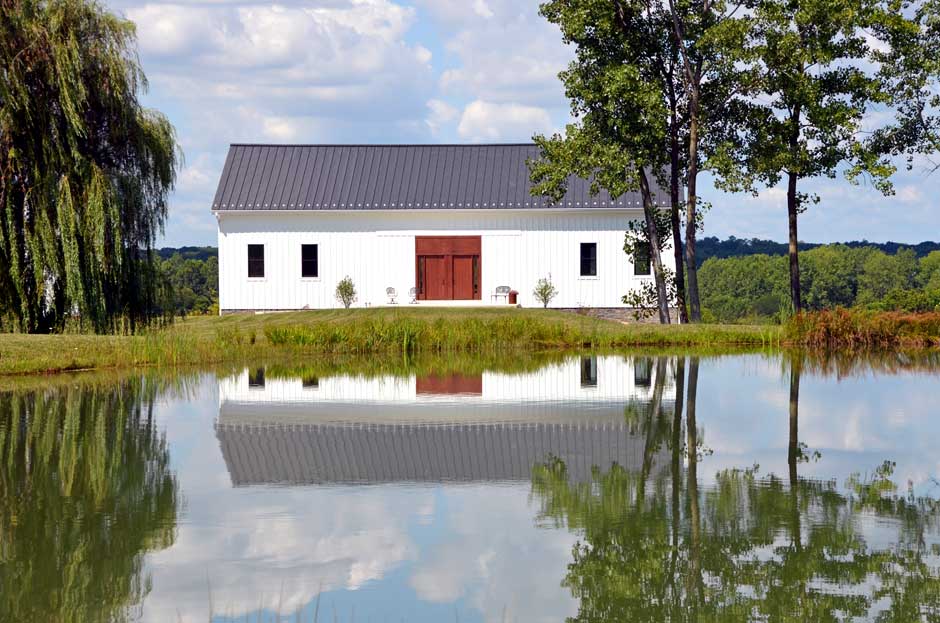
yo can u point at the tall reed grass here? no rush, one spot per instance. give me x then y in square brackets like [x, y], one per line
[850, 328]
[497, 334]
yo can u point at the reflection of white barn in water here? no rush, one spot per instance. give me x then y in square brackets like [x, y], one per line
[493, 426]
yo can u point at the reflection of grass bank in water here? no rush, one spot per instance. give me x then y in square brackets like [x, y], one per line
[515, 332]
[853, 328]
[249, 337]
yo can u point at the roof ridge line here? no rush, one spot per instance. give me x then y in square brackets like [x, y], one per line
[382, 145]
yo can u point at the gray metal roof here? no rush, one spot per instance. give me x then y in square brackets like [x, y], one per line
[393, 177]
[299, 454]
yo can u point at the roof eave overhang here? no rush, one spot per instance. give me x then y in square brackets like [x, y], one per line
[220, 211]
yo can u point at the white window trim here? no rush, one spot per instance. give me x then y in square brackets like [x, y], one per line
[319, 277]
[597, 268]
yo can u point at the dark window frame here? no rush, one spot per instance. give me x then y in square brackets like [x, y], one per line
[642, 372]
[256, 378]
[310, 267]
[642, 258]
[588, 262]
[589, 371]
[255, 264]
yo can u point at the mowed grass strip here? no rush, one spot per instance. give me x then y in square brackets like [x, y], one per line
[411, 330]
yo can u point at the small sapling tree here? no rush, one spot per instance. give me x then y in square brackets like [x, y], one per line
[346, 292]
[545, 291]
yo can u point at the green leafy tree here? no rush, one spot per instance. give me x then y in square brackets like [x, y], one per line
[620, 137]
[192, 284]
[815, 59]
[544, 291]
[709, 41]
[829, 277]
[85, 169]
[928, 274]
[880, 275]
[346, 291]
[909, 65]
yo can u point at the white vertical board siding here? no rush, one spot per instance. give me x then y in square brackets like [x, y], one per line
[557, 382]
[377, 250]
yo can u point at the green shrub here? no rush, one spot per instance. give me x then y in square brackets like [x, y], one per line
[346, 291]
[544, 291]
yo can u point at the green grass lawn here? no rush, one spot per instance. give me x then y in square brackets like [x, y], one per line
[412, 330]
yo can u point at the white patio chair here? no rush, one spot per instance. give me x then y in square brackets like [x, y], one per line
[392, 296]
[413, 295]
[501, 291]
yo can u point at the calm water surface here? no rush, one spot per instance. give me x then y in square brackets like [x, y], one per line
[595, 488]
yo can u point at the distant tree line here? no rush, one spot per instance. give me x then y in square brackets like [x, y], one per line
[190, 276]
[756, 287]
[713, 246]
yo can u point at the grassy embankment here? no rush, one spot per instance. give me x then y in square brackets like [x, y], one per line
[485, 333]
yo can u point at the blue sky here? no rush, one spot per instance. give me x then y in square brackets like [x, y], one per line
[425, 71]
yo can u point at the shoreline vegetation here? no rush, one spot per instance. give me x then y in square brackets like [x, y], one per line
[491, 338]
[490, 334]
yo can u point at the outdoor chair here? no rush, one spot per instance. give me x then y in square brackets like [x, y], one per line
[413, 295]
[501, 291]
[392, 296]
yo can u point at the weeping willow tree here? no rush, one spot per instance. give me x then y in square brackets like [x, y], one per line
[86, 170]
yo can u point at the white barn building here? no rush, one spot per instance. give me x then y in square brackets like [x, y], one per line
[452, 222]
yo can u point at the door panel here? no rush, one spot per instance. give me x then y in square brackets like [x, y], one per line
[463, 277]
[447, 267]
[437, 278]
[451, 384]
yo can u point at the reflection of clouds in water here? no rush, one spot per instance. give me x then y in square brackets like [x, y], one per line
[279, 546]
[855, 422]
[496, 559]
[275, 545]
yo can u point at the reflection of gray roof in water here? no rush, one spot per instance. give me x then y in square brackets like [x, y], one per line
[468, 411]
[378, 453]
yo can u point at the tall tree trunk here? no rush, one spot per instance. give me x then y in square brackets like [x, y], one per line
[674, 200]
[695, 578]
[793, 250]
[676, 476]
[662, 297]
[652, 419]
[793, 454]
[793, 448]
[695, 308]
[793, 209]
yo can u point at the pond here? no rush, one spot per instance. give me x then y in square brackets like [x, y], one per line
[596, 487]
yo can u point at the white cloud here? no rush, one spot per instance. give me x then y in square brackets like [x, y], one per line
[481, 8]
[488, 121]
[427, 70]
[515, 57]
[441, 113]
[496, 558]
[909, 194]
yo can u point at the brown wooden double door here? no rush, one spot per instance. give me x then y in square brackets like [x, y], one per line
[447, 268]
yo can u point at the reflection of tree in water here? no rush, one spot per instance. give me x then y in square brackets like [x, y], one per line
[85, 491]
[749, 548]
